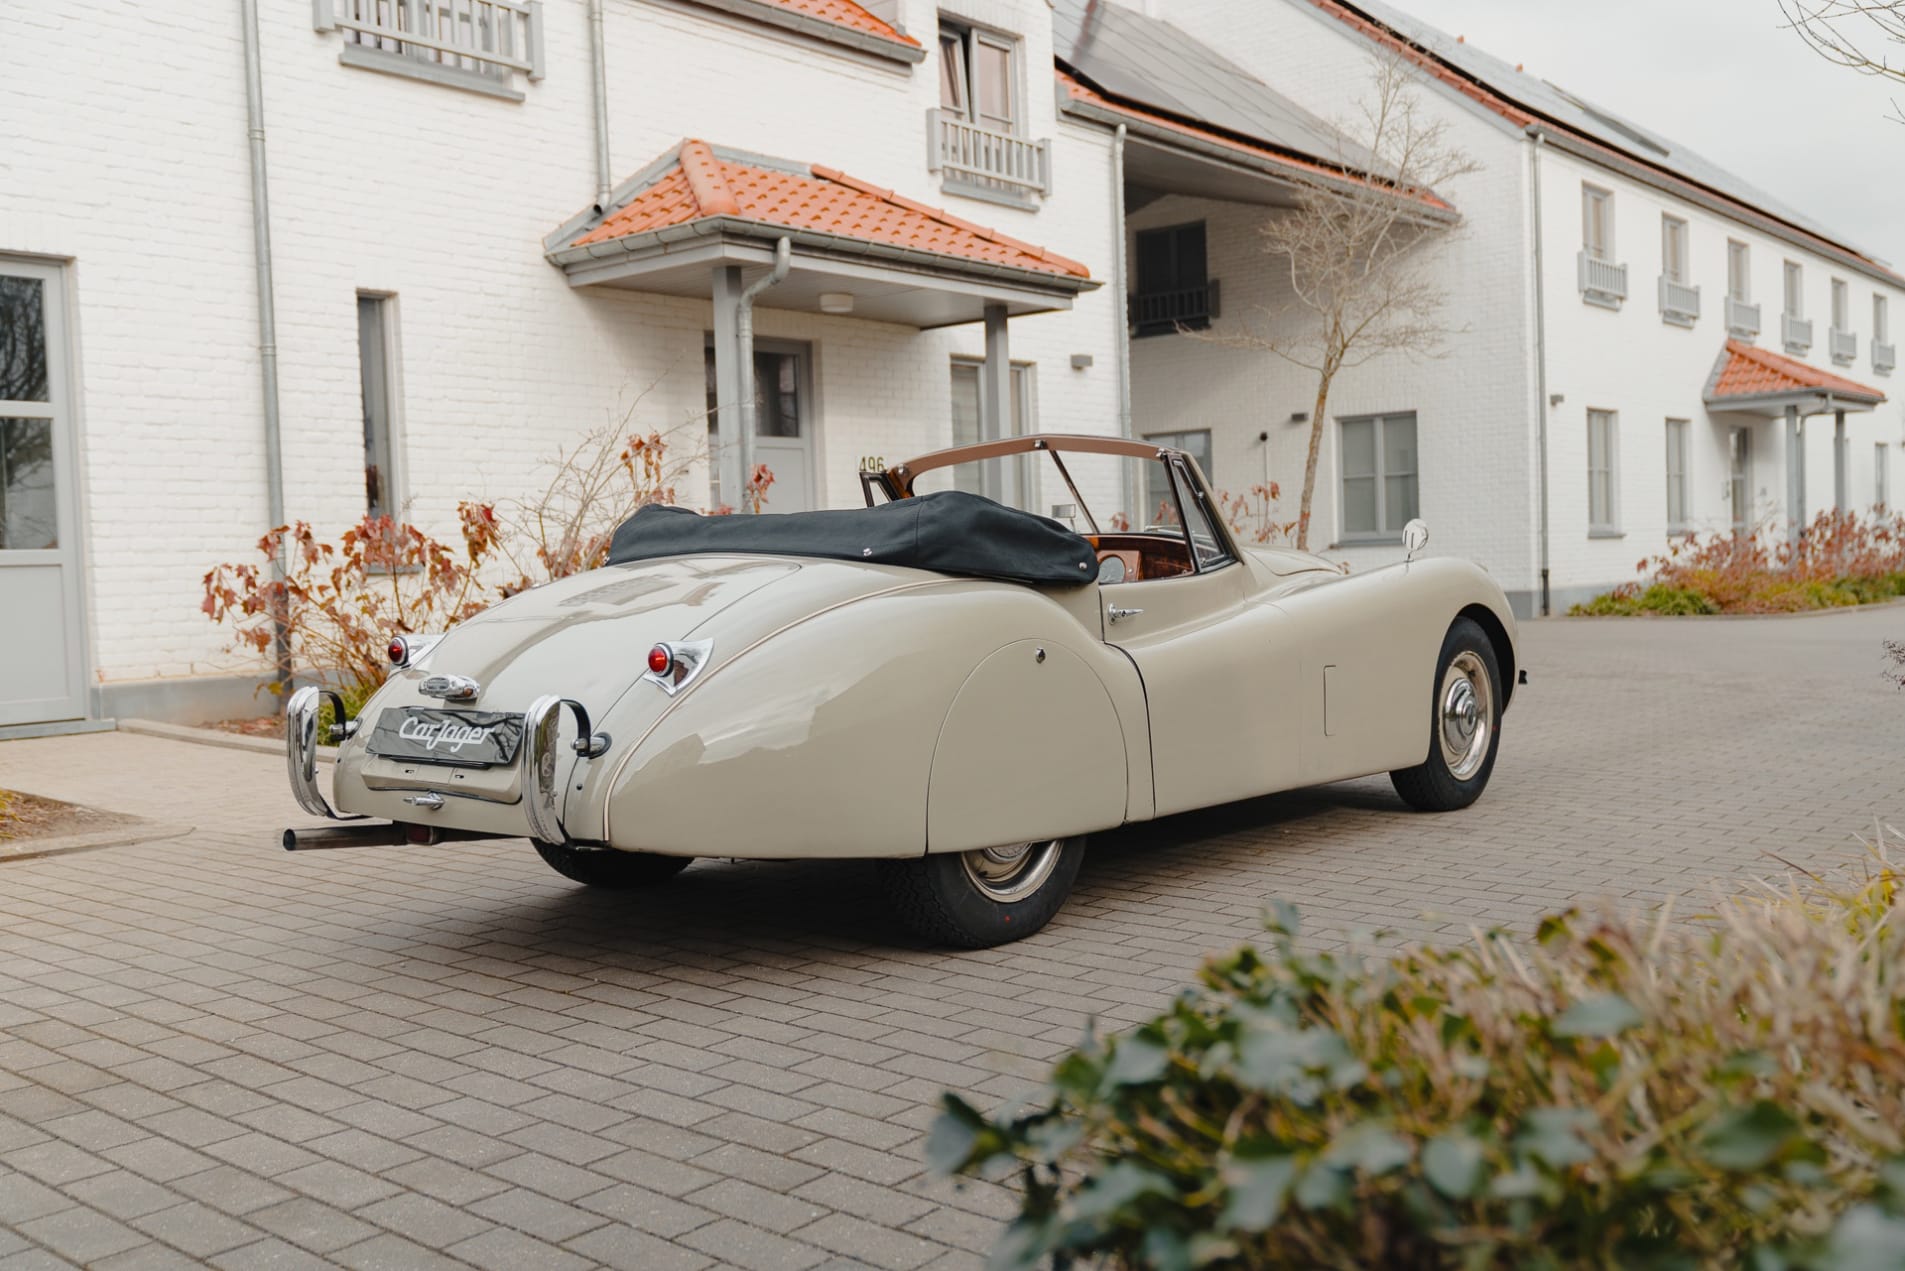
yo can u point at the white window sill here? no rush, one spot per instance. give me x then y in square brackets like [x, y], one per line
[1606, 531]
[369, 59]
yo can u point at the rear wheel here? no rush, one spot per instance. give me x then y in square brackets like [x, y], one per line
[973, 900]
[1464, 725]
[606, 867]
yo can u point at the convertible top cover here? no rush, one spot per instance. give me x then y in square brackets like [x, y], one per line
[950, 532]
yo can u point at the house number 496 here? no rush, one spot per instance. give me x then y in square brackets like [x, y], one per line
[872, 463]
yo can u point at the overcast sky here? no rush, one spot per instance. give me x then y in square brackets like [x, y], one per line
[1725, 79]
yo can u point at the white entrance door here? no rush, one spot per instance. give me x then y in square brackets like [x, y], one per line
[783, 427]
[41, 677]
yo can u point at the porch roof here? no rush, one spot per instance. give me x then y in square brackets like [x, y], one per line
[1758, 381]
[901, 261]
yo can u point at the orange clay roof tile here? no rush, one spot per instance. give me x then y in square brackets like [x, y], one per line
[1752, 371]
[845, 13]
[703, 184]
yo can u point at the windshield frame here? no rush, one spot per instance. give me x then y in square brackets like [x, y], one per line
[897, 481]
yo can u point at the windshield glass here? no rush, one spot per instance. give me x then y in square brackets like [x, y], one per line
[1091, 493]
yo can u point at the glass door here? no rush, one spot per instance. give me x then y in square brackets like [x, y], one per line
[41, 671]
[1740, 477]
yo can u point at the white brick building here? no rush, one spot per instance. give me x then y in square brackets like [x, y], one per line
[425, 194]
[1563, 191]
[426, 217]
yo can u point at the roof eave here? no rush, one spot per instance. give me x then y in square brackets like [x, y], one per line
[744, 231]
[817, 28]
[1563, 138]
[1240, 155]
[1820, 400]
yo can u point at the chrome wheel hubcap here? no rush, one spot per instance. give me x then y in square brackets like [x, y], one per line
[1014, 872]
[1465, 715]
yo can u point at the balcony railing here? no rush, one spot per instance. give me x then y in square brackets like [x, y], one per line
[1742, 318]
[491, 38]
[1602, 281]
[1795, 333]
[1843, 345]
[1679, 303]
[1161, 312]
[1884, 357]
[987, 159]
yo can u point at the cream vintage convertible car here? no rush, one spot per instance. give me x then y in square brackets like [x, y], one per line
[941, 682]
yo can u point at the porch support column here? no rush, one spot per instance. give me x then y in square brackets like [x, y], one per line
[1795, 479]
[726, 459]
[1838, 461]
[995, 391]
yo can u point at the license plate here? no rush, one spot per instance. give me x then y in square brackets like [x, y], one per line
[471, 739]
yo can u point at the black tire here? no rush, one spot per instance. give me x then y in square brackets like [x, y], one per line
[1434, 786]
[939, 898]
[608, 868]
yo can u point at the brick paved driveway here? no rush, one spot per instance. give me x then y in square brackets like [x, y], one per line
[214, 1052]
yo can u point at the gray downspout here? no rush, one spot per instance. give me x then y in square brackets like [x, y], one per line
[267, 314]
[600, 57]
[744, 348]
[1541, 382]
[1120, 304]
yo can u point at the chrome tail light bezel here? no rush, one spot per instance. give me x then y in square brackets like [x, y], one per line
[415, 649]
[686, 660]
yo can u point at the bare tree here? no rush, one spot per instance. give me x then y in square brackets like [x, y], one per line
[1359, 278]
[1867, 36]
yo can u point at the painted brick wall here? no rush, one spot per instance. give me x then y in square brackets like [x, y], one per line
[442, 198]
[1473, 403]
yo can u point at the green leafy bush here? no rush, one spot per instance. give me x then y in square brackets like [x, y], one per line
[1618, 1092]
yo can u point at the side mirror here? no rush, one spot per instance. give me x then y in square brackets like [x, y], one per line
[1415, 536]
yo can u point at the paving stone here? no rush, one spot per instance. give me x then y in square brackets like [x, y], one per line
[81, 1235]
[647, 1210]
[871, 1242]
[120, 1193]
[197, 1229]
[231, 1190]
[539, 1215]
[512, 1251]
[311, 1224]
[625, 1248]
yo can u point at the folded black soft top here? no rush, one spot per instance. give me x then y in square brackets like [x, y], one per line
[951, 532]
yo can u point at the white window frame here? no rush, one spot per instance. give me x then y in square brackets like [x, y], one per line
[1793, 297]
[1608, 525]
[1679, 452]
[1593, 197]
[379, 383]
[1673, 248]
[1379, 425]
[1739, 271]
[1881, 325]
[1881, 474]
[1841, 305]
[962, 39]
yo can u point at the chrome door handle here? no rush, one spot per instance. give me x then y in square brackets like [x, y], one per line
[1117, 614]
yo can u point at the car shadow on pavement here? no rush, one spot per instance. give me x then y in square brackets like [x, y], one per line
[837, 904]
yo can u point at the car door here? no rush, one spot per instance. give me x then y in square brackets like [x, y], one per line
[1218, 671]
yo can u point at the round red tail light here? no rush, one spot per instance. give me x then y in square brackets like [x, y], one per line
[398, 651]
[661, 659]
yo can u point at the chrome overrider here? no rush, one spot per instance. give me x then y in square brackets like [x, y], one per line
[301, 743]
[541, 783]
